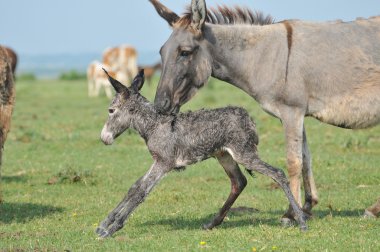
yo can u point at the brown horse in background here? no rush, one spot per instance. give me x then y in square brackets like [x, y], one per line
[13, 58]
[149, 71]
[7, 97]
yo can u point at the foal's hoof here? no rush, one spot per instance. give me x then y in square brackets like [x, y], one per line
[369, 215]
[208, 226]
[288, 222]
[104, 234]
[99, 230]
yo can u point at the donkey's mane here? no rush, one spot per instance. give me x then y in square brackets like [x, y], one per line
[224, 15]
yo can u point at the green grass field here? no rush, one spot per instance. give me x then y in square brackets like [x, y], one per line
[59, 181]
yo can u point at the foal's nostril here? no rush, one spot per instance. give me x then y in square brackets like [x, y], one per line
[111, 111]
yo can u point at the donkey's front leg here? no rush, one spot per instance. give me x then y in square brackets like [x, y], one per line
[292, 121]
[135, 196]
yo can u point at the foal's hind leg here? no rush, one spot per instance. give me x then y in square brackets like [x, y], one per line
[255, 164]
[373, 211]
[238, 182]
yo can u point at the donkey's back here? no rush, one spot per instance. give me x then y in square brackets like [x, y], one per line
[339, 64]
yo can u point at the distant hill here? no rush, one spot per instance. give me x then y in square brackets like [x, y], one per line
[51, 65]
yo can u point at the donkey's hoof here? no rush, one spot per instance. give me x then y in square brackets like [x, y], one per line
[288, 222]
[307, 214]
[303, 227]
[369, 215]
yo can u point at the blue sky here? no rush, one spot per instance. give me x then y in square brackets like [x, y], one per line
[84, 26]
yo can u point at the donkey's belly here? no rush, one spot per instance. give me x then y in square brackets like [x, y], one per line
[357, 110]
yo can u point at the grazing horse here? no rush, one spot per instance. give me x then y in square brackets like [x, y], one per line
[176, 141]
[97, 79]
[150, 71]
[7, 97]
[293, 69]
[122, 59]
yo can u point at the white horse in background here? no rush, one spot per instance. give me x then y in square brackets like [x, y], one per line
[122, 60]
[97, 79]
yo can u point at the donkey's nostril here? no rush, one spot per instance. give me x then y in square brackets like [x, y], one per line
[111, 111]
[165, 104]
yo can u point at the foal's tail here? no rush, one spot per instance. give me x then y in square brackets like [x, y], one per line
[250, 172]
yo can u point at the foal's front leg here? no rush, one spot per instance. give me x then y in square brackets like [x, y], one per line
[135, 196]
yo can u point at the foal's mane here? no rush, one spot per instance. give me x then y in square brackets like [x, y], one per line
[224, 15]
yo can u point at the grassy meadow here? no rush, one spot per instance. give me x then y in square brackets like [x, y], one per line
[59, 181]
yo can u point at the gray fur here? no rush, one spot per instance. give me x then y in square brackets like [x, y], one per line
[176, 141]
[293, 69]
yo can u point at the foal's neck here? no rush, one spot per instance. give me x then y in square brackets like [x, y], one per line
[145, 118]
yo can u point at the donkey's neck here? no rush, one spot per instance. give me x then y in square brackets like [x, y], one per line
[248, 56]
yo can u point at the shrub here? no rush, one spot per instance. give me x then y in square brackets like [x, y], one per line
[72, 75]
[26, 77]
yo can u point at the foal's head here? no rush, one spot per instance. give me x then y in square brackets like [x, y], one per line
[119, 112]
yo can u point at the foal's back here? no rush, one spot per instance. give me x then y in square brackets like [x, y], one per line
[199, 134]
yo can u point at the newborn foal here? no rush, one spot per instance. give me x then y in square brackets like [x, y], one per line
[175, 141]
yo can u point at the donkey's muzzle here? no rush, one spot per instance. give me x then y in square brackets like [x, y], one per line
[163, 105]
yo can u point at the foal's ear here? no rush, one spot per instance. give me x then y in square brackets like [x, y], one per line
[119, 88]
[198, 14]
[164, 12]
[138, 81]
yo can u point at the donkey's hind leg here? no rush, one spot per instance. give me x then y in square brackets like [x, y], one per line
[311, 196]
[238, 182]
[373, 211]
[256, 164]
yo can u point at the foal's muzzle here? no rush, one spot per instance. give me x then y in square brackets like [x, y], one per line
[106, 136]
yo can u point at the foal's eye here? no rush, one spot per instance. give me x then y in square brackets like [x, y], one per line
[185, 53]
[111, 111]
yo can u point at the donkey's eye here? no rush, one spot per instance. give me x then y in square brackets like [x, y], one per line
[185, 53]
[111, 111]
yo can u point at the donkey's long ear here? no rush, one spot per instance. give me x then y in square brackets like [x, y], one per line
[138, 81]
[119, 88]
[198, 13]
[164, 12]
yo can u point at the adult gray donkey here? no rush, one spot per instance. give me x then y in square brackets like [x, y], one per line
[293, 69]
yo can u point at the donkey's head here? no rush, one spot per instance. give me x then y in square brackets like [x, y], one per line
[186, 61]
[119, 112]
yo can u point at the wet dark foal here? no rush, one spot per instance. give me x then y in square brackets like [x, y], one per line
[228, 134]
